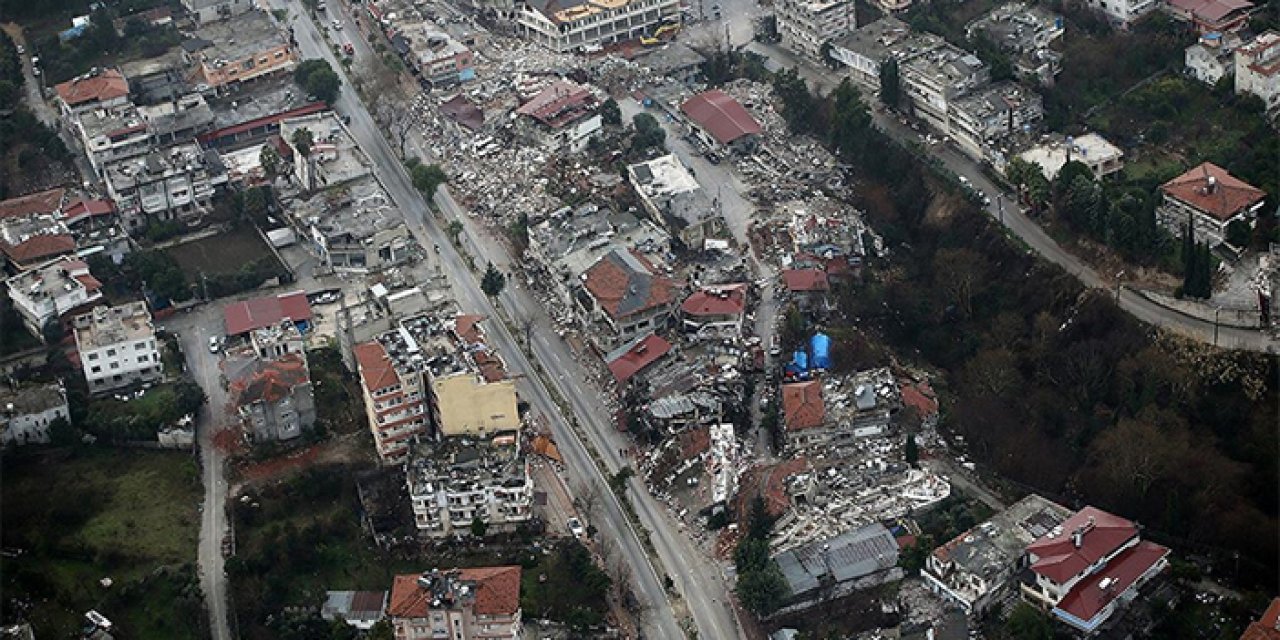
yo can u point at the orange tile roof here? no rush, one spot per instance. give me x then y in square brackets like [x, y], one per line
[109, 84]
[1102, 533]
[805, 280]
[39, 247]
[802, 406]
[496, 592]
[1228, 197]
[467, 328]
[716, 300]
[376, 369]
[1267, 627]
[33, 203]
[624, 284]
[273, 381]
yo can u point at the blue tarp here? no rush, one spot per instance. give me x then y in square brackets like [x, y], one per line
[801, 360]
[820, 347]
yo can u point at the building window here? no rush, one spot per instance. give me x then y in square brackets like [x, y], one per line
[115, 365]
[111, 352]
[141, 346]
[93, 356]
[96, 370]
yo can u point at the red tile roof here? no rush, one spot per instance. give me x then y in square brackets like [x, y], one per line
[468, 329]
[245, 316]
[375, 366]
[90, 283]
[720, 115]
[1088, 597]
[38, 248]
[802, 406]
[634, 359]
[1267, 627]
[921, 397]
[805, 280]
[250, 125]
[559, 104]
[1228, 197]
[108, 84]
[716, 300]
[1060, 560]
[624, 284]
[496, 592]
[81, 208]
[1209, 11]
[33, 204]
[273, 381]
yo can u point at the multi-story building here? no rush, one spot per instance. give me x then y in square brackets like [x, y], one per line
[26, 412]
[932, 81]
[1091, 149]
[1212, 58]
[1087, 568]
[1257, 67]
[981, 122]
[354, 228]
[52, 292]
[1123, 13]
[981, 565]
[626, 295]
[806, 25]
[1209, 199]
[273, 396]
[433, 55]
[174, 183]
[233, 52]
[890, 7]
[1027, 33]
[817, 414]
[98, 89]
[562, 116]
[672, 197]
[213, 10]
[110, 134]
[117, 347]
[395, 395]
[459, 481]
[1211, 16]
[589, 24]
[715, 310]
[480, 603]
[869, 47]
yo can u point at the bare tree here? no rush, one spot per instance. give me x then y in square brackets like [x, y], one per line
[382, 83]
[586, 497]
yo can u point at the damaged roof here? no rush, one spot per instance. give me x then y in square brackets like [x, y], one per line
[623, 283]
[633, 358]
[716, 300]
[802, 406]
[721, 116]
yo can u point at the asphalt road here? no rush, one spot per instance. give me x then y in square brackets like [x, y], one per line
[660, 621]
[1011, 216]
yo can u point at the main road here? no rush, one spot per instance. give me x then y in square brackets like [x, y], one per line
[1005, 210]
[699, 582]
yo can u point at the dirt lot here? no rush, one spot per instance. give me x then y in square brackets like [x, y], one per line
[223, 253]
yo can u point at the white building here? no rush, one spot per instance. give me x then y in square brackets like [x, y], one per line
[460, 480]
[479, 603]
[117, 347]
[979, 122]
[1123, 13]
[52, 291]
[589, 24]
[26, 412]
[805, 25]
[1212, 58]
[1102, 157]
[931, 82]
[673, 197]
[175, 183]
[1210, 200]
[561, 117]
[869, 47]
[1026, 33]
[213, 10]
[1258, 69]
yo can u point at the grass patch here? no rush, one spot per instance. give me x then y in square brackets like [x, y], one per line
[128, 515]
[228, 263]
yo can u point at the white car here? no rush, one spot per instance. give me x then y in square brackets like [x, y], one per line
[214, 344]
[337, 24]
[575, 527]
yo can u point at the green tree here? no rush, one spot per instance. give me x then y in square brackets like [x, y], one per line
[850, 123]
[302, 141]
[618, 481]
[317, 78]
[649, 134]
[911, 452]
[454, 229]
[1239, 233]
[493, 281]
[479, 527]
[762, 591]
[427, 178]
[271, 161]
[890, 83]
[382, 630]
[610, 112]
[1026, 622]
[62, 434]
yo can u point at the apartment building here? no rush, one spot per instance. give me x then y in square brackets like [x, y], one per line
[933, 81]
[818, 414]
[1212, 58]
[1123, 13]
[561, 117]
[27, 411]
[625, 295]
[1209, 199]
[52, 292]
[982, 122]
[117, 347]
[110, 134]
[480, 603]
[433, 54]
[1211, 16]
[459, 481]
[1091, 149]
[203, 11]
[806, 25]
[174, 183]
[715, 310]
[271, 389]
[673, 198]
[395, 395]
[570, 25]
[1027, 33]
[232, 52]
[1089, 567]
[980, 566]
[98, 89]
[1257, 69]
[867, 48]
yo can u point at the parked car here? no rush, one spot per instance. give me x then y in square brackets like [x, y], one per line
[575, 527]
[214, 344]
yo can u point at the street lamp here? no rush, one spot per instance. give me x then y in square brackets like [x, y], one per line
[1000, 206]
[1216, 311]
[1119, 284]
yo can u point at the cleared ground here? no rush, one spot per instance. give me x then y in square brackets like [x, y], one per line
[224, 253]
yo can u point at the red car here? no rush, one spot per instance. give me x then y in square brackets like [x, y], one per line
[348, 49]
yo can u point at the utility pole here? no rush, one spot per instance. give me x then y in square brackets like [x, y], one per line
[1119, 284]
[1215, 325]
[1000, 207]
